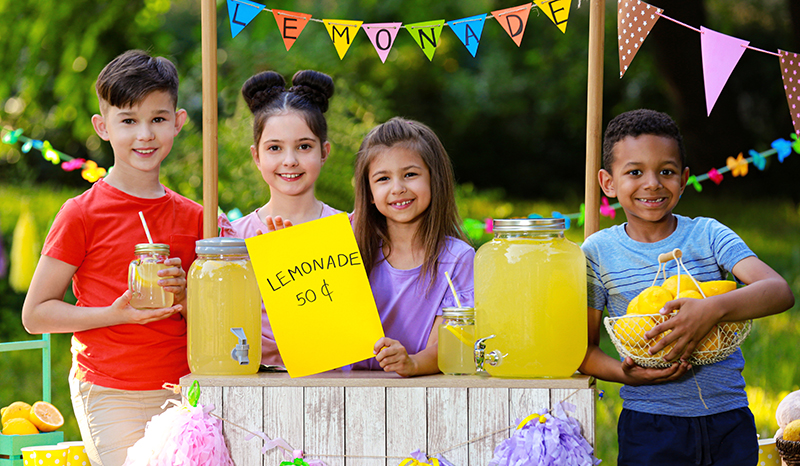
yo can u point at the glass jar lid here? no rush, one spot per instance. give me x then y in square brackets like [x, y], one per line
[458, 312]
[528, 224]
[152, 248]
[221, 246]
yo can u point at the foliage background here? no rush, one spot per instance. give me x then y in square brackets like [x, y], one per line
[512, 119]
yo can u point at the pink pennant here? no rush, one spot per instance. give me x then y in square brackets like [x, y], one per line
[635, 19]
[720, 53]
[790, 70]
[606, 210]
[382, 36]
[715, 176]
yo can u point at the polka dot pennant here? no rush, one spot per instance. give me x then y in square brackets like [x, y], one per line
[790, 70]
[635, 19]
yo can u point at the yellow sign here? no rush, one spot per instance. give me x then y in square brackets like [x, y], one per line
[317, 295]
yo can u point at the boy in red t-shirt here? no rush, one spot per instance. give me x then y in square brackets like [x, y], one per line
[121, 356]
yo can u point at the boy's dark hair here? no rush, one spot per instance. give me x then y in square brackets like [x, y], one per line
[266, 96]
[128, 79]
[635, 123]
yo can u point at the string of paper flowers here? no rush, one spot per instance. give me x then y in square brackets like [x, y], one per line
[90, 171]
[737, 166]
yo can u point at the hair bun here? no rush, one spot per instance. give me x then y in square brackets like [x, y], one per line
[314, 86]
[262, 89]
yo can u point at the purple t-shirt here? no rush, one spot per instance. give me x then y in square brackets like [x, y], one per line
[247, 227]
[408, 307]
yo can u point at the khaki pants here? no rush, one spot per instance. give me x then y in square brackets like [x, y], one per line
[112, 420]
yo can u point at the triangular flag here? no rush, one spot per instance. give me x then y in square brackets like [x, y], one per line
[426, 35]
[720, 54]
[382, 36]
[241, 12]
[790, 70]
[557, 11]
[469, 30]
[342, 33]
[635, 19]
[513, 20]
[290, 25]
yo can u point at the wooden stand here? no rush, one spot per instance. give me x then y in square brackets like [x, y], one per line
[367, 418]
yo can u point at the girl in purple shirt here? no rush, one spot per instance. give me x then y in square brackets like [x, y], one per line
[407, 227]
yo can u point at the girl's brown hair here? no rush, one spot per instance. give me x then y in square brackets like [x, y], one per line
[441, 219]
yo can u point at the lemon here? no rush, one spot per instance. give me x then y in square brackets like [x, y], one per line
[791, 432]
[630, 330]
[717, 287]
[690, 294]
[45, 416]
[17, 409]
[671, 284]
[633, 305]
[709, 345]
[652, 299]
[19, 426]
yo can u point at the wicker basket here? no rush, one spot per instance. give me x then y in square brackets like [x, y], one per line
[627, 334]
[790, 451]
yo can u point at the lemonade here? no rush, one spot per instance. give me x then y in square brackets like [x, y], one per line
[143, 277]
[222, 294]
[530, 292]
[456, 340]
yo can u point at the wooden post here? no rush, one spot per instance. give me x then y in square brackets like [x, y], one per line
[594, 115]
[209, 67]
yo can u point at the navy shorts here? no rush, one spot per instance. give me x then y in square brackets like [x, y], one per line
[724, 439]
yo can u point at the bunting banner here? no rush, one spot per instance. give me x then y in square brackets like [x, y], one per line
[557, 11]
[469, 31]
[426, 35]
[635, 19]
[720, 54]
[382, 36]
[790, 67]
[290, 25]
[241, 12]
[342, 33]
[513, 20]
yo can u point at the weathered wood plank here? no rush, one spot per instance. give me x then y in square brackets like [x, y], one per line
[283, 417]
[324, 424]
[243, 406]
[447, 423]
[365, 425]
[527, 401]
[406, 422]
[488, 413]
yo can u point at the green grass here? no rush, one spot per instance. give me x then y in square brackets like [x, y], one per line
[770, 227]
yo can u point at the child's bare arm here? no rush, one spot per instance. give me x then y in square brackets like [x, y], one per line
[604, 367]
[766, 293]
[45, 311]
[393, 357]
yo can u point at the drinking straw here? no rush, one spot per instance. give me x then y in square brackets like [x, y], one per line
[452, 288]
[147, 231]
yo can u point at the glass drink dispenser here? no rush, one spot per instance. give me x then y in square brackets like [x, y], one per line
[224, 310]
[530, 301]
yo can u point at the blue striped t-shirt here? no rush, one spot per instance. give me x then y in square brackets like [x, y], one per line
[619, 268]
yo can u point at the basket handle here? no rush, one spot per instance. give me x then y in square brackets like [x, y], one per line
[668, 256]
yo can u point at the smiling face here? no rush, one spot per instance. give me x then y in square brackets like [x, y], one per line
[400, 184]
[289, 155]
[647, 178]
[142, 134]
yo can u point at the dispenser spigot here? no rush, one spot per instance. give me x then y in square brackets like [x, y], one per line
[240, 351]
[494, 358]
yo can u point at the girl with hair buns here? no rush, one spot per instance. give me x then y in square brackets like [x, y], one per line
[290, 147]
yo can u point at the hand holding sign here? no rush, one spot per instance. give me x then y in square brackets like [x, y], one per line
[316, 294]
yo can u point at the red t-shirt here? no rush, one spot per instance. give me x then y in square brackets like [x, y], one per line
[97, 232]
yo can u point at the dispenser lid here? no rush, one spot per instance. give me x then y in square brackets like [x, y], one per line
[214, 246]
[458, 312]
[528, 224]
